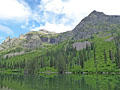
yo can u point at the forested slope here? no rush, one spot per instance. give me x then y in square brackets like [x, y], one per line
[102, 55]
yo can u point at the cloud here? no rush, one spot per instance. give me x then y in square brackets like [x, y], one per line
[13, 9]
[53, 27]
[54, 15]
[80, 8]
[74, 11]
[70, 10]
[6, 30]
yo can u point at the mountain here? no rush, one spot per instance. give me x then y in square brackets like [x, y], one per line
[95, 22]
[93, 46]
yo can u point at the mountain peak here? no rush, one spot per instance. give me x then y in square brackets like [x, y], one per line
[96, 13]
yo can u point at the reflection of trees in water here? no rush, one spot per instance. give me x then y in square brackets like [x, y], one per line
[60, 82]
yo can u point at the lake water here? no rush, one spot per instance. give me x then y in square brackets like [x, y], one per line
[60, 82]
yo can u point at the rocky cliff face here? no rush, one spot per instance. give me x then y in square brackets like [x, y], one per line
[31, 40]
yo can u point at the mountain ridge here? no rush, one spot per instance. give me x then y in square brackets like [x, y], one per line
[95, 22]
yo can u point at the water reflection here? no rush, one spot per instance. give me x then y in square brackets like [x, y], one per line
[59, 82]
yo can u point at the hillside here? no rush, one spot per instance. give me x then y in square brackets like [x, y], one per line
[92, 46]
[31, 40]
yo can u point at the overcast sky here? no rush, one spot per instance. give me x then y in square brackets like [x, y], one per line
[21, 16]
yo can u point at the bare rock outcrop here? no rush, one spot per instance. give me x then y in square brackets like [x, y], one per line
[13, 54]
[81, 45]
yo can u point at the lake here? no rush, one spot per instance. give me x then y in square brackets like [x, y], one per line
[59, 82]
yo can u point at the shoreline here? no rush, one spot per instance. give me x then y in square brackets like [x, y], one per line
[49, 72]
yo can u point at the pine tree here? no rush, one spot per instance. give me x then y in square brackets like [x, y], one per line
[105, 57]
